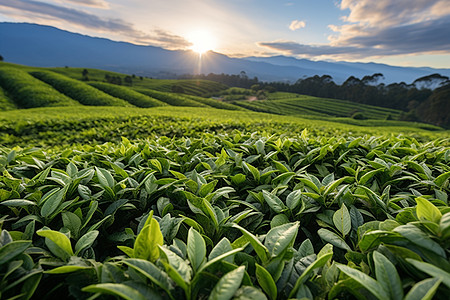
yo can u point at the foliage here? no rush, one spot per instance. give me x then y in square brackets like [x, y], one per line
[5, 102]
[91, 125]
[129, 95]
[27, 91]
[249, 216]
[79, 91]
[171, 98]
[291, 104]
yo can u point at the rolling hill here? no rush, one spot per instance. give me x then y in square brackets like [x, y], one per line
[59, 48]
[32, 87]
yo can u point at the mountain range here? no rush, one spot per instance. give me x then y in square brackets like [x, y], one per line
[46, 46]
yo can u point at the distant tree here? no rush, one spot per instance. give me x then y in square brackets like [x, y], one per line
[255, 87]
[85, 74]
[270, 89]
[128, 80]
[1, 58]
[436, 108]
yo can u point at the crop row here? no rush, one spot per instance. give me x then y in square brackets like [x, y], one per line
[214, 103]
[85, 125]
[170, 98]
[247, 216]
[5, 102]
[77, 90]
[127, 94]
[317, 106]
[27, 91]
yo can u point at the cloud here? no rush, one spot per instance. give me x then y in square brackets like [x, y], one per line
[381, 28]
[47, 12]
[92, 3]
[297, 24]
[168, 40]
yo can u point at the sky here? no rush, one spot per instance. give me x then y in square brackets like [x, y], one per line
[396, 32]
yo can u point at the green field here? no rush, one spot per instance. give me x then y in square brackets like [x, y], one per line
[289, 104]
[207, 200]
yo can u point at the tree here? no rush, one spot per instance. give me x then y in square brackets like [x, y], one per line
[1, 58]
[85, 76]
[128, 80]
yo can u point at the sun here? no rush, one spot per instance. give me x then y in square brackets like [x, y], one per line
[202, 41]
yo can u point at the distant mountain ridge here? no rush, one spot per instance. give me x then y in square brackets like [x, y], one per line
[46, 46]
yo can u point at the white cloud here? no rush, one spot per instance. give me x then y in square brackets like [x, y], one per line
[91, 3]
[297, 24]
[380, 28]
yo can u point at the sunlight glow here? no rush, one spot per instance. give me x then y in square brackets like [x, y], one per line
[202, 41]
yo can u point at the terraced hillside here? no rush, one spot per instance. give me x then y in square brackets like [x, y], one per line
[27, 87]
[78, 90]
[127, 94]
[191, 87]
[26, 91]
[313, 106]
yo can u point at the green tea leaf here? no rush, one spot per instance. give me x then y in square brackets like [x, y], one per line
[227, 285]
[333, 238]
[251, 169]
[67, 269]
[274, 202]
[249, 293]
[260, 249]
[387, 276]
[17, 202]
[148, 240]
[52, 203]
[60, 239]
[439, 181]
[266, 282]
[342, 220]
[366, 281]
[115, 289]
[196, 248]
[152, 272]
[279, 238]
[324, 256]
[86, 241]
[431, 270]
[425, 210]
[294, 199]
[72, 222]
[421, 239]
[12, 249]
[105, 178]
[423, 290]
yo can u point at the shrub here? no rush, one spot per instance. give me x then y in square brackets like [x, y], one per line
[127, 94]
[27, 91]
[78, 90]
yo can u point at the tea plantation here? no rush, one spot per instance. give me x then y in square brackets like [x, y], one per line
[176, 202]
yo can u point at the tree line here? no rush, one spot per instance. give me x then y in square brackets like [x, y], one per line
[427, 99]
